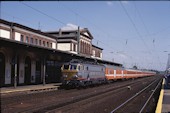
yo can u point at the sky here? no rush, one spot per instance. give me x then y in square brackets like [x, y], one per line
[130, 32]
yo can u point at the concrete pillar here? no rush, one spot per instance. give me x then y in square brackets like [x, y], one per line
[15, 77]
[78, 40]
[44, 70]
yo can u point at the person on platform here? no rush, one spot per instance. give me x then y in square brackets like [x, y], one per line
[167, 78]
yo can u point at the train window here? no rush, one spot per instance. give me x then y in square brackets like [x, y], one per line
[66, 66]
[87, 68]
[79, 68]
[73, 67]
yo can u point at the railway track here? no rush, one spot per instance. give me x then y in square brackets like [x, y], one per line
[70, 107]
[148, 91]
[58, 99]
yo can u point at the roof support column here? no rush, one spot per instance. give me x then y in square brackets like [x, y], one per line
[15, 75]
[44, 70]
[78, 40]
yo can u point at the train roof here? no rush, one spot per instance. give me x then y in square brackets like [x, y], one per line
[138, 70]
[95, 61]
[113, 66]
[82, 62]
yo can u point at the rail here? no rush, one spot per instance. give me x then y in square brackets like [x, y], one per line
[137, 94]
[144, 106]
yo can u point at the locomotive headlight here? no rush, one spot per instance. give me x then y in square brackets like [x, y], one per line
[75, 76]
[65, 76]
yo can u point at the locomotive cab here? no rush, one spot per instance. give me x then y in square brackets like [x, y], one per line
[70, 71]
[71, 74]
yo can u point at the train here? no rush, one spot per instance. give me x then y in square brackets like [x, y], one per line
[81, 74]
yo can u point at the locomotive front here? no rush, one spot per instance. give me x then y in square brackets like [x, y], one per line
[70, 75]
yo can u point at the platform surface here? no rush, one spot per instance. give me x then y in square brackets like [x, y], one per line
[163, 105]
[18, 89]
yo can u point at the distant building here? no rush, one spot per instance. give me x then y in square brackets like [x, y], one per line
[67, 40]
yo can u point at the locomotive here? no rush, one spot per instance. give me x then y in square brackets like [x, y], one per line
[81, 74]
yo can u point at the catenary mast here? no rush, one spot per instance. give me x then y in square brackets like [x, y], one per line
[168, 63]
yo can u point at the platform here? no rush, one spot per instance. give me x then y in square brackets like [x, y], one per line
[30, 88]
[163, 105]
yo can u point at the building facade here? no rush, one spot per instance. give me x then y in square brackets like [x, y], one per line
[25, 65]
[78, 41]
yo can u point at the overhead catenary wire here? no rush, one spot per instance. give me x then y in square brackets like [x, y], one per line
[15, 17]
[153, 40]
[136, 29]
[145, 27]
[51, 17]
[134, 25]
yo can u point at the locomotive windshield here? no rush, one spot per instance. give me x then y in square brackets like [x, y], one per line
[70, 67]
[66, 67]
[73, 67]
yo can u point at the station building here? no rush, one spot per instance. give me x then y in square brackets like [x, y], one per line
[29, 56]
[77, 41]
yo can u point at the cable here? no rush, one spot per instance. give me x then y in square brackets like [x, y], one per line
[95, 26]
[146, 29]
[17, 17]
[53, 18]
[134, 25]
